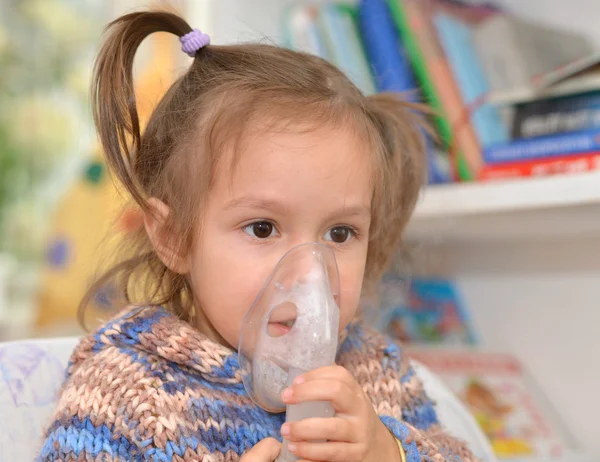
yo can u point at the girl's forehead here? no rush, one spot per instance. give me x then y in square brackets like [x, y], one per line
[323, 150]
[300, 165]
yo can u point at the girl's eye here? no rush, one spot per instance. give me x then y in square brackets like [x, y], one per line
[340, 234]
[260, 229]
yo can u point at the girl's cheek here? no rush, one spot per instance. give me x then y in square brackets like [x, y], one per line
[350, 297]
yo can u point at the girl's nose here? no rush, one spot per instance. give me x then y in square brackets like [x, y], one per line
[310, 259]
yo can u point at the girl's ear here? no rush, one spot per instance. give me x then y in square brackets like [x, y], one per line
[163, 239]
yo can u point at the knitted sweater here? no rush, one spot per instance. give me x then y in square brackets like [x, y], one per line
[148, 386]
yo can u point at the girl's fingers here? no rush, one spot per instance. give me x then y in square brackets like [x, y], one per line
[342, 397]
[266, 450]
[334, 372]
[317, 429]
[331, 452]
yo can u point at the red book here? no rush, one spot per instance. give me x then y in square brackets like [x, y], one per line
[541, 167]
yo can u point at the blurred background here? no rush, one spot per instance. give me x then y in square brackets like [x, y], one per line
[498, 287]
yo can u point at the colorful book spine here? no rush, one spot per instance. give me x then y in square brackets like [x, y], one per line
[438, 84]
[544, 147]
[577, 163]
[456, 39]
[391, 67]
[343, 42]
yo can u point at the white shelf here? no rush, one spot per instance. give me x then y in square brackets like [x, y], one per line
[556, 206]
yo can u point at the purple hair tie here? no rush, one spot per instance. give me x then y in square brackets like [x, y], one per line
[193, 41]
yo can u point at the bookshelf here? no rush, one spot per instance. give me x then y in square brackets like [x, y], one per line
[557, 206]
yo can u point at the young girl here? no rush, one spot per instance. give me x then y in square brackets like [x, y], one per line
[254, 150]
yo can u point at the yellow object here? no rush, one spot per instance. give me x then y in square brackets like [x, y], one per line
[86, 225]
[82, 222]
[402, 453]
[511, 447]
[503, 445]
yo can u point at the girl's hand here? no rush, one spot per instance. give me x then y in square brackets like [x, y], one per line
[266, 450]
[355, 434]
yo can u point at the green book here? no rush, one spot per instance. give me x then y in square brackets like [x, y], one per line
[428, 87]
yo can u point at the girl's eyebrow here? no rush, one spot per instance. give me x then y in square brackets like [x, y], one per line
[358, 211]
[255, 203]
[272, 205]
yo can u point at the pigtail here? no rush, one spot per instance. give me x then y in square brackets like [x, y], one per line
[130, 158]
[401, 131]
[113, 91]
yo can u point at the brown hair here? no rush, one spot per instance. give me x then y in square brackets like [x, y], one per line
[211, 105]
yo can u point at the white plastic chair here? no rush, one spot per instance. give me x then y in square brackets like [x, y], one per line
[31, 373]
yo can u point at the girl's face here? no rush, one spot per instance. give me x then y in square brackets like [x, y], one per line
[286, 189]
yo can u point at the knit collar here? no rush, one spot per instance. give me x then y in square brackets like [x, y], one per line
[161, 335]
[158, 333]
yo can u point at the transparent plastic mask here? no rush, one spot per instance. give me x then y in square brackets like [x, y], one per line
[292, 326]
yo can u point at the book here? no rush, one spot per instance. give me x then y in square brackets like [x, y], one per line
[477, 6]
[464, 138]
[579, 76]
[518, 54]
[457, 41]
[568, 144]
[556, 115]
[470, 12]
[577, 163]
[340, 34]
[301, 32]
[392, 69]
[423, 311]
[385, 51]
[507, 404]
[431, 70]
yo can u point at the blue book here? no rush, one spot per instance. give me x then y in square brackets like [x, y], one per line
[392, 70]
[457, 42]
[544, 147]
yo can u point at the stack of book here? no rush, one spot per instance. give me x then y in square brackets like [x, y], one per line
[555, 123]
[512, 98]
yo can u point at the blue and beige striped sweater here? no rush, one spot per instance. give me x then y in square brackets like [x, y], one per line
[148, 386]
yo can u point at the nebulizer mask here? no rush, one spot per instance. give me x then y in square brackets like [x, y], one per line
[292, 328]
